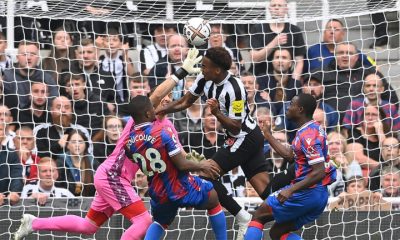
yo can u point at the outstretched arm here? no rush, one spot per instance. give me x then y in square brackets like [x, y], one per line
[187, 68]
[186, 101]
[190, 166]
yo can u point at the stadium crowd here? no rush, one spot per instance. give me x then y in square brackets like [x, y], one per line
[60, 116]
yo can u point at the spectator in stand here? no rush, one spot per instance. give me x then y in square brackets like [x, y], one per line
[105, 140]
[389, 158]
[336, 147]
[344, 78]
[17, 80]
[5, 60]
[320, 117]
[11, 181]
[138, 85]
[177, 50]
[264, 38]
[321, 54]
[141, 184]
[356, 185]
[99, 82]
[208, 140]
[312, 85]
[36, 112]
[158, 50]
[45, 188]
[189, 120]
[372, 89]
[61, 54]
[218, 39]
[255, 98]
[390, 182]
[117, 62]
[51, 137]
[77, 166]
[87, 107]
[276, 163]
[24, 143]
[264, 116]
[280, 82]
[365, 140]
[7, 119]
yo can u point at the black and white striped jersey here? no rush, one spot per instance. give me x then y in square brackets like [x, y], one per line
[232, 99]
[55, 192]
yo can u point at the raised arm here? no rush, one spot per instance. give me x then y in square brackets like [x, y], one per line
[187, 68]
[282, 150]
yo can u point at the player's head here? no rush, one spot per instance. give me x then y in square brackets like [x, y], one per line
[141, 109]
[216, 64]
[302, 106]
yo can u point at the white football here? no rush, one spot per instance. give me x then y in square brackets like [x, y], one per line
[197, 31]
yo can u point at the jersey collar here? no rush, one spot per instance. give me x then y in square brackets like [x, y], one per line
[224, 81]
[305, 125]
[138, 126]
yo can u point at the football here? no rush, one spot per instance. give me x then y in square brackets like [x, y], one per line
[197, 31]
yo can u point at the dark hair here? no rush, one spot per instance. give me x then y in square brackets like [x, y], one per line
[3, 36]
[137, 107]
[113, 32]
[78, 76]
[308, 102]
[283, 49]
[220, 57]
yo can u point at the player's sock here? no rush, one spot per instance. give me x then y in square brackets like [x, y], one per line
[243, 216]
[139, 226]
[254, 231]
[225, 200]
[155, 231]
[218, 222]
[290, 236]
[67, 223]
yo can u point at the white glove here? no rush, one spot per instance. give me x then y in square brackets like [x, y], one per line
[191, 60]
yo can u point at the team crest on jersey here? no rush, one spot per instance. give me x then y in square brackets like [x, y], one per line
[238, 106]
[229, 142]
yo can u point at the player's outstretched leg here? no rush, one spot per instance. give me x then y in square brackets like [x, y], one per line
[68, 223]
[242, 217]
[140, 219]
[283, 231]
[216, 216]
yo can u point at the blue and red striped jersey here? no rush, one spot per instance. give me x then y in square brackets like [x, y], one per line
[310, 147]
[151, 147]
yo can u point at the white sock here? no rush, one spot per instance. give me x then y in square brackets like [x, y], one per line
[243, 216]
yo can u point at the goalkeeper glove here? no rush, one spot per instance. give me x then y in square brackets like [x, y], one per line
[195, 156]
[188, 65]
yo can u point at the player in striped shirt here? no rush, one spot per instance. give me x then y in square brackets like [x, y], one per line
[306, 197]
[114, 192]
[171, 186]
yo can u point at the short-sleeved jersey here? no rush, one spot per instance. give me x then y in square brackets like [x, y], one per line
[310, 147]
[151, 147]
[232, 98]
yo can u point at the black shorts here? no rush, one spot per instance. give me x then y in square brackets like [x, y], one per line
[249, 155]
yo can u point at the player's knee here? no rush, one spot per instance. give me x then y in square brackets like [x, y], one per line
[89, 228]
[143, 222]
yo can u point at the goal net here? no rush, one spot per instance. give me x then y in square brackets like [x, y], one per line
[115, 48]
